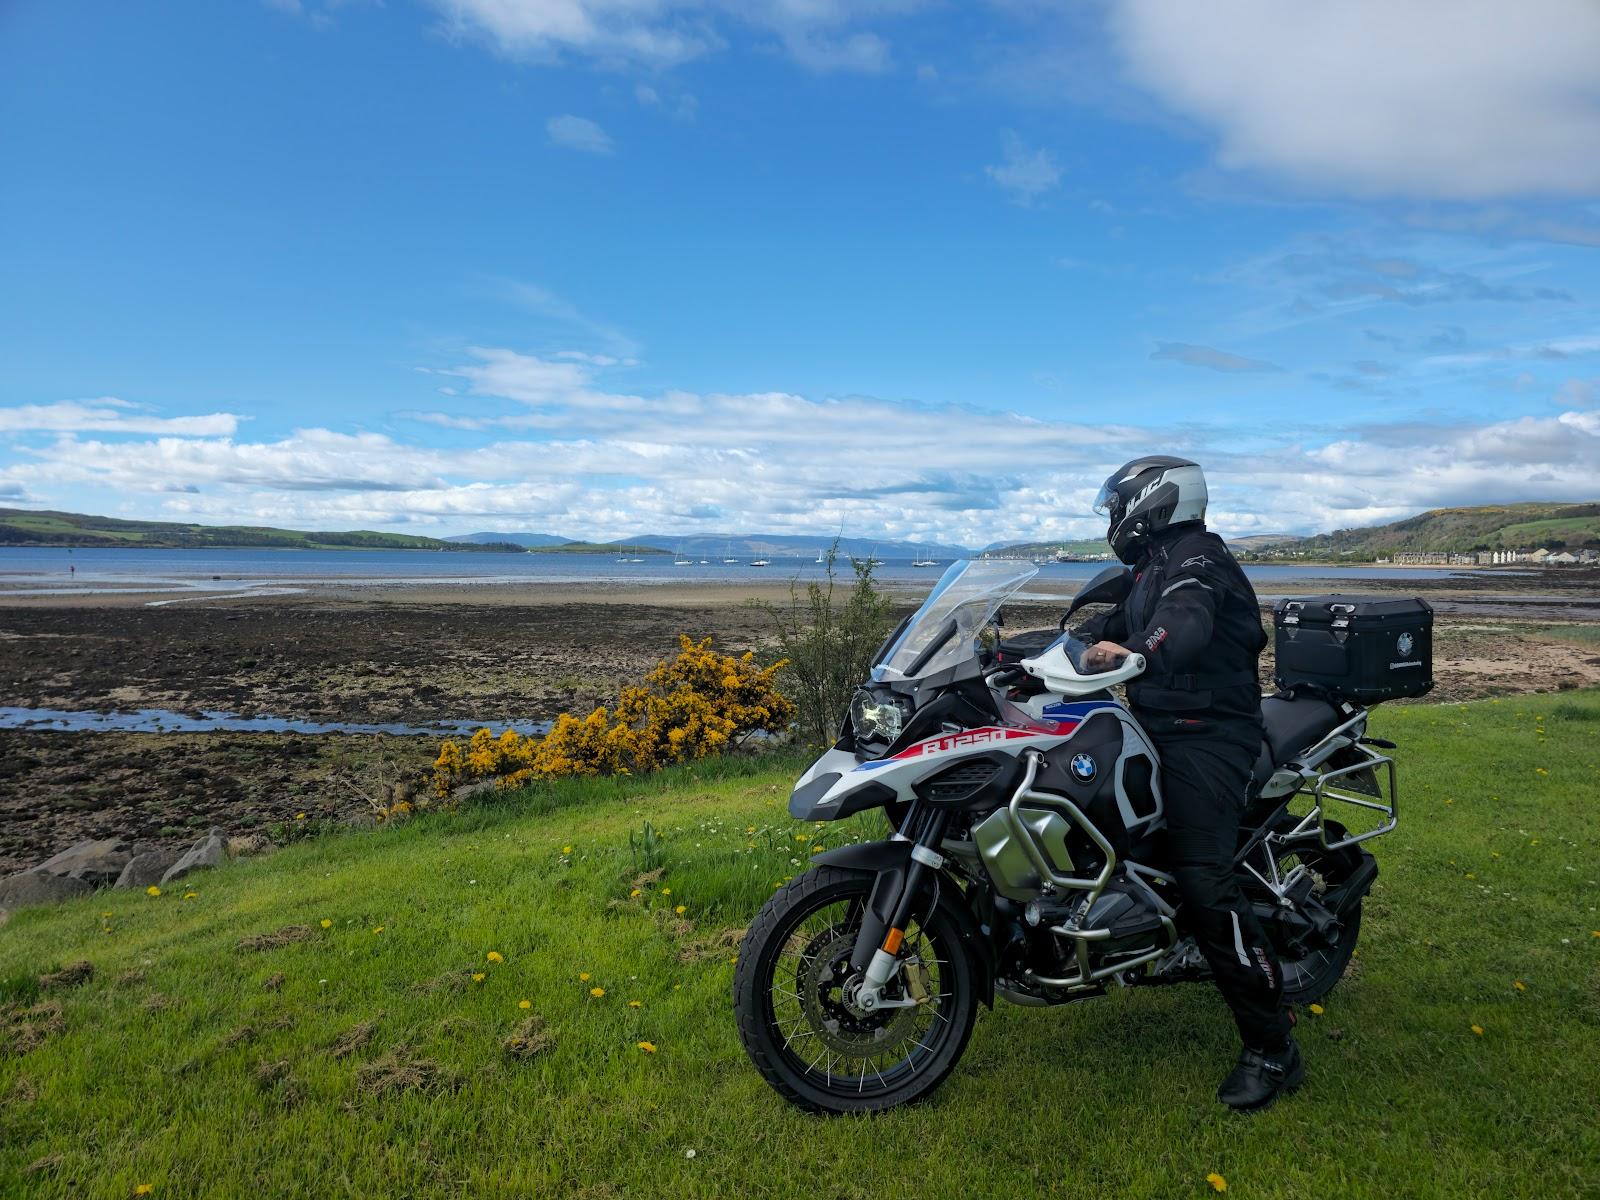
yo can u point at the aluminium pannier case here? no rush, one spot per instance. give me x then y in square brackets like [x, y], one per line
[1363, 648]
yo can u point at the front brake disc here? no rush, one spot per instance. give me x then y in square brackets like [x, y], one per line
[824, 972]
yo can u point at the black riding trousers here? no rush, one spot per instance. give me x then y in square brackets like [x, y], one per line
[1204, 781]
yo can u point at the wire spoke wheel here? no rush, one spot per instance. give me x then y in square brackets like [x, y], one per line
[794, 995]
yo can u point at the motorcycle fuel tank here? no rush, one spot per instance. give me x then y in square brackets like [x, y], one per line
[1107, 770]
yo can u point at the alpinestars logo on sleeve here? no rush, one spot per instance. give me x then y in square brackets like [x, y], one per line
[1199, 560]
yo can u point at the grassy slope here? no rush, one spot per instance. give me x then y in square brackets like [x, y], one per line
[1490, 879]
[1084, 546]
[1464, 529]
[27, 527]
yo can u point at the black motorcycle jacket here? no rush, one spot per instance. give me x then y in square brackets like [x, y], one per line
[1195, 618]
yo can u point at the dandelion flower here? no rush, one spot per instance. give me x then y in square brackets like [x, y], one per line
[635, 1003]
[681, 909]
[635, 894]
[524, 1003]
[1519, 985]
[666, 891]
[495, 956]
[1540, 771]
[191, 895]
[144, 1189]
[152, 890]
[1317, 1009]
[299, 816]
[477, 977]
[566, 849]
[377, 929]
[1478, 1029]
[816, 849]
[325, 923]
[597, 992]
[648, 1047]
[106, 915]
[1217, 1182]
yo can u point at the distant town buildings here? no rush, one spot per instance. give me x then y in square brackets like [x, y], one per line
[1494, 558]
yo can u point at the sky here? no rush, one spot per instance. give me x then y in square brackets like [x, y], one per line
[896, 268]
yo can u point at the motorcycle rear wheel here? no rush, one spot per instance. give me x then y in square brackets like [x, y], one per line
[808, 1044]
[1310, 976]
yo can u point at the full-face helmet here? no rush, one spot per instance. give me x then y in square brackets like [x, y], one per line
[1147, 495]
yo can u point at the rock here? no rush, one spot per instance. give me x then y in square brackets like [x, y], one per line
[209, 851]
[97, 863]
[145, 870]
[39, 887]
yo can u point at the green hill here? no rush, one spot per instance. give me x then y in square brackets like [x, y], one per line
[1084, 548]
[1460, 530]
[28, 527]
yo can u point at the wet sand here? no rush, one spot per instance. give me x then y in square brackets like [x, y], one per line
[479, 653]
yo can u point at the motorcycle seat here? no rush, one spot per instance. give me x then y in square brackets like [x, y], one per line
[1296, 723]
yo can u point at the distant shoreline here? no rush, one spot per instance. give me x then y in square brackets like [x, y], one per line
[451, 548]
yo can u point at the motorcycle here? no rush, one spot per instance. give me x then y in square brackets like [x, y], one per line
[1024, 852]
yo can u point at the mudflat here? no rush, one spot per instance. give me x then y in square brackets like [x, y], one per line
[488, 654]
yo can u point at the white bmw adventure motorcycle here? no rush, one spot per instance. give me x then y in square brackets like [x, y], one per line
[1024, 852]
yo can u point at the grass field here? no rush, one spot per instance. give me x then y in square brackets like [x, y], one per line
[365, 1059]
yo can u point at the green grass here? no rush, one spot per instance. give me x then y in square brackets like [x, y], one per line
[1577, 635]
[1489, 880]
[1575, 531]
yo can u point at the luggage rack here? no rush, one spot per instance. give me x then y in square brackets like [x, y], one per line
[1324, 787]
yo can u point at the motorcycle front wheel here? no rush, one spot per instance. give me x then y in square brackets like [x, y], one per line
[790, 997]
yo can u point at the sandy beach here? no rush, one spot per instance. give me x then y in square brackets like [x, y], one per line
[482, 653]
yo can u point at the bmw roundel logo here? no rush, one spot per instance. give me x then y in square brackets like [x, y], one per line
[1404, 643]
[1083, 768]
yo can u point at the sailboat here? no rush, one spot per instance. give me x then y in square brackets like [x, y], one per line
[727, 554]
[679, 559]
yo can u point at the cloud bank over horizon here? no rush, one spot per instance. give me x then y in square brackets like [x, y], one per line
[540, 444]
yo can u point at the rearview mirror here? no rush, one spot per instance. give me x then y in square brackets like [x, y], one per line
[1111, 586]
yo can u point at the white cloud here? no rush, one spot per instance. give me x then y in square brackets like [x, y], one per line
[554, 449]
[648, 31]
[108, 415]
[578, 133]
[1026, 174]
[820, 35]
[1459, 99]
[864, 52]
[1210, 358]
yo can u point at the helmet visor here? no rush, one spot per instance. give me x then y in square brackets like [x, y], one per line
[1108, 500]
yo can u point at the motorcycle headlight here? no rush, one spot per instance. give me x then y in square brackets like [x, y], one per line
[877, 716]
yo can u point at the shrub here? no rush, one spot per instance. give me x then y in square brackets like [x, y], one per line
[696, 704]
[829, 646]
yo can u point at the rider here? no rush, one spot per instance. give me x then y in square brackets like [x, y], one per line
[1194, 616]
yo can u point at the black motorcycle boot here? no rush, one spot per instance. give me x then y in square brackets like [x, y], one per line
[1260, 1077]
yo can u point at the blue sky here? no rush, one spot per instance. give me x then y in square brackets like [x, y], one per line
[923, 270]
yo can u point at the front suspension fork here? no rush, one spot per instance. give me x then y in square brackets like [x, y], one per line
[917, 894]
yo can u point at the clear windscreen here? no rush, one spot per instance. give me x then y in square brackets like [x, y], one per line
[943, 633]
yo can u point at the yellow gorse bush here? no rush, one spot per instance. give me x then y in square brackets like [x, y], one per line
[697, 704]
